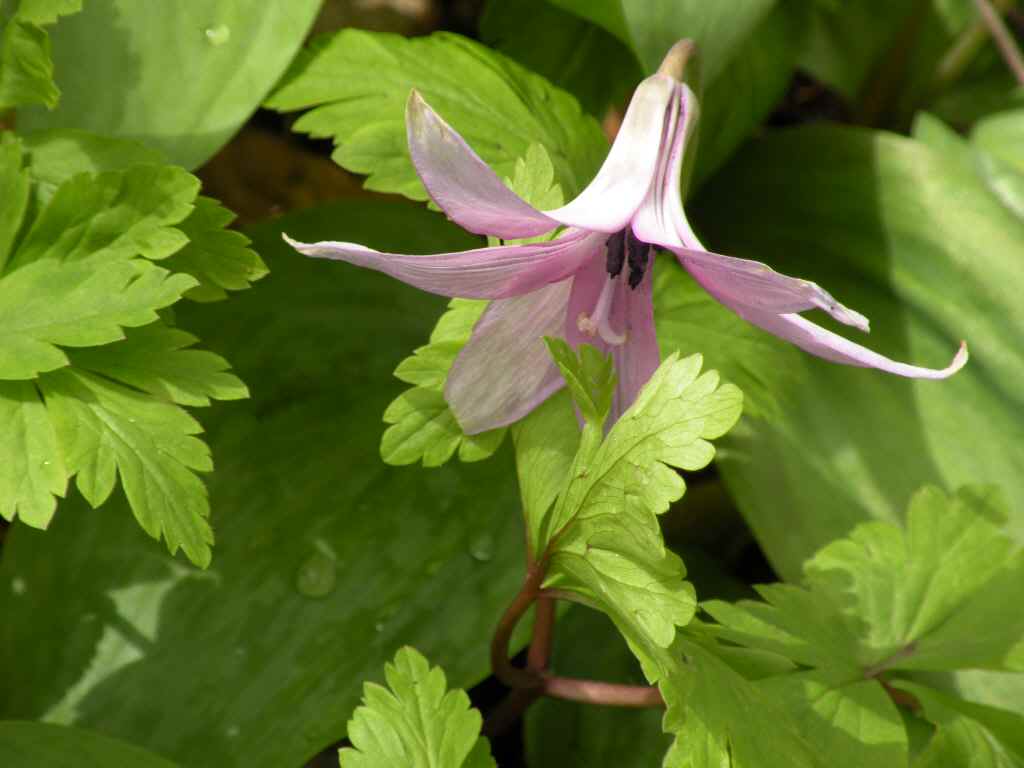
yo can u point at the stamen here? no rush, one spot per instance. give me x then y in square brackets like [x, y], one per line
[638, 253]
[598, 323]
[615, 254]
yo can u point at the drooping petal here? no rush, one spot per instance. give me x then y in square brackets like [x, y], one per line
[613, 197]
[481, 273]
[462, 184]
[505, 371]
[632, 313]
[746, 283]
[831, 346]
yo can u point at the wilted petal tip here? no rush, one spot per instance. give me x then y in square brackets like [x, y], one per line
[675, 61]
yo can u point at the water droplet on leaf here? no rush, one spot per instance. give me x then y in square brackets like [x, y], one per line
[482, 547]
[218, 35]
[317, 576]
[232, 731]
[18, 586]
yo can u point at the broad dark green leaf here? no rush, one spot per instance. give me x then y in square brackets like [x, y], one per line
[328, 560]
[894, 229]
[747, 51]
[357, 84]
[581, 57]
[25, 744]
[179, 76]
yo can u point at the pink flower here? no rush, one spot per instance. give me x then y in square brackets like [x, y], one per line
[593, 283]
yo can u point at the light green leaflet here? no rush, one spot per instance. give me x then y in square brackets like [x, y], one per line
[422, 426]
[416, 722]
[91, 377]
[601, 538]
[26, 70]
[356, 84]
[890, 598]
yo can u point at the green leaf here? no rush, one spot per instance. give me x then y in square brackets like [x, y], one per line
[217, 257]
[885, 598]
[26, 70]
[562, 733]
[32, 471]
[721, 719]
[79, 301]
[868, 216]
[357, 84]
[105, 428]
[157, 359]
[854, 724]
[602, 538]
[846, 40]
[328, 561]
[968, 734]
[225, 56]
[584, 59]
[30, 745]
[415, 721]
[94, 303]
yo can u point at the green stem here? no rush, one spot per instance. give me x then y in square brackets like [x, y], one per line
[960, 55]
[1003, 38]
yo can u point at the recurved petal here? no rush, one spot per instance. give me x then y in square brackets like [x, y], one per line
[746, 283]
[632, 313]
[462, 184]
[831, 346]
[481, 273]
[505, 371]
[613, 197]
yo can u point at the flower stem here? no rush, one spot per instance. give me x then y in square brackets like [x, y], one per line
[1002, 37]
[607, 694]
[501, 664]
[966, 47]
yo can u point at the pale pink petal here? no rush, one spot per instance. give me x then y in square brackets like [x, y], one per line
[505, 371]
[741, 282]
[613, 197]
[482, 273]
[831, 346]
[462, 184]
[632, 312]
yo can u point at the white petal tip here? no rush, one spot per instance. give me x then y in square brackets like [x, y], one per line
[960, 360]
[298, 246]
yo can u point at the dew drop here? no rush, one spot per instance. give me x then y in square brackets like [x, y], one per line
[232, 731]
[482, 547]
[18, 585]
[317, 576]
[218, 35]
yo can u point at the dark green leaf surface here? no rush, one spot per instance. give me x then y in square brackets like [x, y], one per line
[581, 57]
[25, 744]
[181, 77]
[415, 721]
[357, 84]
[894, 229]
[327, 562]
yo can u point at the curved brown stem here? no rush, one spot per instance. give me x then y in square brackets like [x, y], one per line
[501, 664]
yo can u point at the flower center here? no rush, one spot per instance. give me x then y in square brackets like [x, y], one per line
[622, 248]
